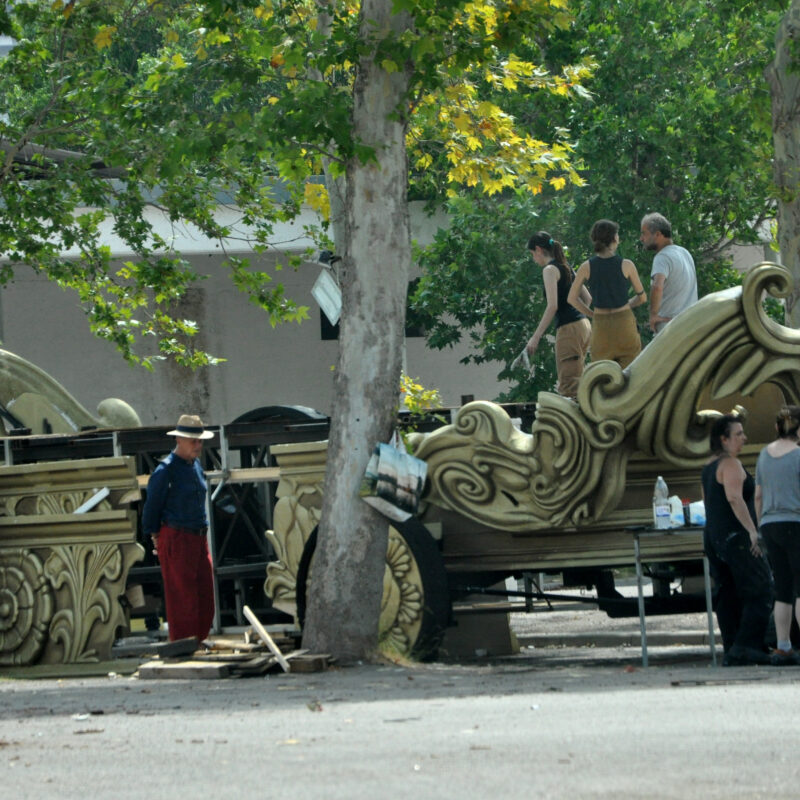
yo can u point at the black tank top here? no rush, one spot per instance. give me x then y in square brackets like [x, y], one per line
[609, 287]
[565, 313]
[720, 518]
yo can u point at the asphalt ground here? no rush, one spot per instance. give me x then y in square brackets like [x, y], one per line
[556, 722]
[554, 719]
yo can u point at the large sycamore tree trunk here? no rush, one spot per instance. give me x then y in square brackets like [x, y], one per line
[347, 585]
[784, 80]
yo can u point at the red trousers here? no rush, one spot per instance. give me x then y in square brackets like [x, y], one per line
[188, 583]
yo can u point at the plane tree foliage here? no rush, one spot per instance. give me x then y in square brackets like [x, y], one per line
[183, 101]
[678, 121]
[116, 107]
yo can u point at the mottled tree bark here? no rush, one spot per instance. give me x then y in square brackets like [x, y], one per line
[784, 80]
[344, 602]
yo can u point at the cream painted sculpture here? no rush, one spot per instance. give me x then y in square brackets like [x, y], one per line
[63, 569]
[33, 396]
[62, 572]
[571, 469]
[562, 495]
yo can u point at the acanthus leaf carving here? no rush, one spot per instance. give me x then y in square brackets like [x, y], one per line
[86, 573]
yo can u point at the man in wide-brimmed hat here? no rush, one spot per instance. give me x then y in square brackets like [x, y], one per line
[174, 515]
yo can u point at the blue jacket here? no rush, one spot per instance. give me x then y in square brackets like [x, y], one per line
[176, 495]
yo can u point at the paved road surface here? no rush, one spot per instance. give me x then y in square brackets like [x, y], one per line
[554, 722]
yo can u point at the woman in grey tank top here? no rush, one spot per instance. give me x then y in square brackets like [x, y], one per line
[777, 502]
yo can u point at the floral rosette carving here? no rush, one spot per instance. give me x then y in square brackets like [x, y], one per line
[401, 604]
[26, 607]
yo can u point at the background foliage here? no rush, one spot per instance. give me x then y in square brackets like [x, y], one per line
[678, 122]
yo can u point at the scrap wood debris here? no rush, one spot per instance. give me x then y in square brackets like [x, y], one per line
[256, 653]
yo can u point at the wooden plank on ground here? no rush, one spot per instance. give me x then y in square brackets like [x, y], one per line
[225, 657]
[266, 638]
[254, 666]
[142, 646]
[134, 647]
[117, 666]
[236, 644]
[183, 669]
[310, 662]
[178, 647]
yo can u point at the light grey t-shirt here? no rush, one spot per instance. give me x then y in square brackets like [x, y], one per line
[680, 285]
[779, 479]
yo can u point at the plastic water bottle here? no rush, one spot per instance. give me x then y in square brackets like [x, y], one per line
[661, 505]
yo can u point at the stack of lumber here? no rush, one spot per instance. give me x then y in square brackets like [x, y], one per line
[256, 653]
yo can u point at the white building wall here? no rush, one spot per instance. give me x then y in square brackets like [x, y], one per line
[289, 364]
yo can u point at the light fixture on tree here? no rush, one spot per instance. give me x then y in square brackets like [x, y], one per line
[326, 289]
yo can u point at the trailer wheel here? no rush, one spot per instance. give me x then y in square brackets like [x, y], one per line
[415, 609]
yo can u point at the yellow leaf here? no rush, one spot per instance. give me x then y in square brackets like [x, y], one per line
[102, 38]
[171, 37]
[462, 123]
[558, 183]
[487, 109]
[264, 11]
[316, 196]
[272, 100]
[389, 65]
[178, 61]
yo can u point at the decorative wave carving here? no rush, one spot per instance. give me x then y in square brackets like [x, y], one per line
[570, 470]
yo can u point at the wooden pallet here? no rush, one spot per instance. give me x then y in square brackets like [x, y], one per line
[228, 657]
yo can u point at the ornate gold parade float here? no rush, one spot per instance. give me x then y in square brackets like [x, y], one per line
[500, 502]
[67, 532]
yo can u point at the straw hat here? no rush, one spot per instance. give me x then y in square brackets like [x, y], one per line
[190, 426]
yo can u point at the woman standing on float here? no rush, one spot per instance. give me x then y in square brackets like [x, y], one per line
[573, 330]
[609, 276]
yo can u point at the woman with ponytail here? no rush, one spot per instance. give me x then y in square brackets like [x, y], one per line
[573, 330]
[615, 334]
[777, 503]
